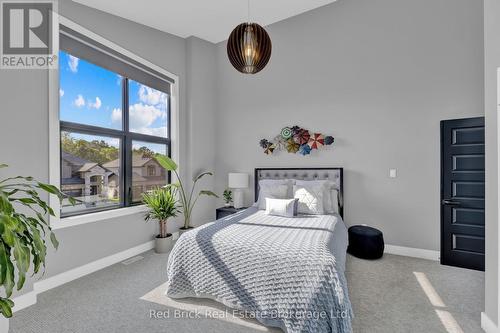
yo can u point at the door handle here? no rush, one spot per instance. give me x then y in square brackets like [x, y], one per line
[449, 202]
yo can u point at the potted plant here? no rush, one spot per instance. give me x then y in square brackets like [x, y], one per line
[187, 200]
[228, 197]
[22, 234]
[162, 205]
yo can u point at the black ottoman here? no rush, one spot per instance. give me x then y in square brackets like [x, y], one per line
[365, 242]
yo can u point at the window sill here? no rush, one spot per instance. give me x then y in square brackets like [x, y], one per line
[72, 221]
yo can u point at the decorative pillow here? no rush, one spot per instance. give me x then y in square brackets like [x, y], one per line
[330, 194]
[335, 201]
[281, 207]
[274, 182]
[269, 181]
[310, 199]
[271, 191]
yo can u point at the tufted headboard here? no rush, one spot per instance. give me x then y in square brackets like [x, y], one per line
[333, 174]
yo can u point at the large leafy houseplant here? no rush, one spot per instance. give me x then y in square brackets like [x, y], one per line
[162, 205]
[187, 200]
[23, 233]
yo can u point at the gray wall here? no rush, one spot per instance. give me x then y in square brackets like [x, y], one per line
[492, 63]
[201, 106]
[379, 76]
[24, 121]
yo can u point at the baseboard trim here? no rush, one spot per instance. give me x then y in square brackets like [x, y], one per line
[24, 300]
[487, 324]
[412, 252]
[29, 299]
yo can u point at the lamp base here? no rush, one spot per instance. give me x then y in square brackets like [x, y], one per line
[238, 198]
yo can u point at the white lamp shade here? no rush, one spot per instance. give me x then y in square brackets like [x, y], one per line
[237, 180]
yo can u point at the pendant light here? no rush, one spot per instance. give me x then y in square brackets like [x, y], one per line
[249, 47]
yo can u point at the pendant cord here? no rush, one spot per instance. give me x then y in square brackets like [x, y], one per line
[248, 11]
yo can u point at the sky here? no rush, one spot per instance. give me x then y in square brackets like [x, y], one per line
[92, 95]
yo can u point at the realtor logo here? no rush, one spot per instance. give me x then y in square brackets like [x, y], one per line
[27, 35]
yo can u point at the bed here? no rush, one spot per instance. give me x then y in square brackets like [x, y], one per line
[285, 272]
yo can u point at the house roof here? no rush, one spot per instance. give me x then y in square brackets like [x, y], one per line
[138, 178]
[72, 159]
[79, 164]
[137, 161]
[112, 164]
[87, 166]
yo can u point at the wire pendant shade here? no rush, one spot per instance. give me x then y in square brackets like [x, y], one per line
[249, 48]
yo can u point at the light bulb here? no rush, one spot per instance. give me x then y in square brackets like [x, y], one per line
[248, 50]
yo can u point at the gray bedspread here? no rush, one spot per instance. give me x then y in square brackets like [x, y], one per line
[285, 272]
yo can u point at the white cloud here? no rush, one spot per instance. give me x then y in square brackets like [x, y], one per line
[118, 79]
[112, 142]
[136, 146]
[116, 115]
[96, 105]
[79, 101]
[142, 115]
[73, 63]
[141, 118]
[61, 93]
[151, 96]
[157, 131]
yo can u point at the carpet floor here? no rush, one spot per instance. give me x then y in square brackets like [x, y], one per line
[393, 294]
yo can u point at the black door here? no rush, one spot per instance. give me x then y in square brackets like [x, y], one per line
[462, 193]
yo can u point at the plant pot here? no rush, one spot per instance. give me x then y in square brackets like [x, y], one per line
[4, 324]
[163, 245]
[184, 230]
[228, 204]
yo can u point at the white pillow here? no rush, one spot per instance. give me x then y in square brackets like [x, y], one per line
[330, 195]
[274, 182]
[310, 199]
[335, 201]
[271, 191]
[281, 207]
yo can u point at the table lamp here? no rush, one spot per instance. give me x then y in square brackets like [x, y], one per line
[237, 182]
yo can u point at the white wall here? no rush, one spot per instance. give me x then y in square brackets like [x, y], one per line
[492, 63]
[379, 76]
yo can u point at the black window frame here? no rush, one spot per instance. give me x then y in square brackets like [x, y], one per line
[126, 138]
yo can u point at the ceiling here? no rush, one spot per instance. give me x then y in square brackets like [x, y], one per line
[212, 20]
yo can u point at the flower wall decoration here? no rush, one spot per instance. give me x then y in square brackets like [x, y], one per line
[296, 140]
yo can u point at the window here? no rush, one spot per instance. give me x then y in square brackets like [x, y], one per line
[114, 117]
[144, 176]
[151, 171]
[85, 171]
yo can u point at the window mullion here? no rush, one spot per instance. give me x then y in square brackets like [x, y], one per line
[127, 150]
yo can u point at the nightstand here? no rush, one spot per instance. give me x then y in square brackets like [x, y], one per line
[226, 211]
